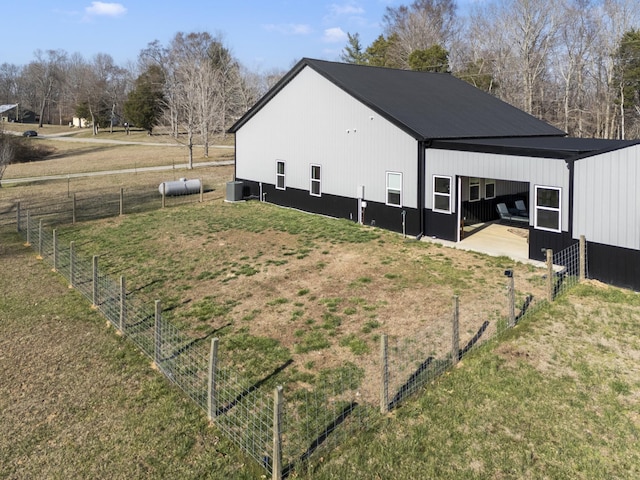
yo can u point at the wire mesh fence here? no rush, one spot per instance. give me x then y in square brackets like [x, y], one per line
[98, 203]
[573, 263]
[280, 430]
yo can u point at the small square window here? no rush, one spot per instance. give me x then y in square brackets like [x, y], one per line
[280, 177]
[315, 189]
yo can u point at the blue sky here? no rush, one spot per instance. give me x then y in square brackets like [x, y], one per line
[262, 34]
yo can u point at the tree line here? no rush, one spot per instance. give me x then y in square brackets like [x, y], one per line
[573, 63]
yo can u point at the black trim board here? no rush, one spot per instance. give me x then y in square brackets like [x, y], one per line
[375, 214]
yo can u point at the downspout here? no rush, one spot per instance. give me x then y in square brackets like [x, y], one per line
[571, 166]
[422, 146]
[235, 156]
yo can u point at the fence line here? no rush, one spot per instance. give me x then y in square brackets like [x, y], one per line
[282, 430]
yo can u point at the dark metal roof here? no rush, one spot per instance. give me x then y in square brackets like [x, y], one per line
[425, 105]
[565, 148]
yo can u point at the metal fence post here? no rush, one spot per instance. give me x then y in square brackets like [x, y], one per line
[95, 282]
[213, 367]
[384, 373]
[511, 291]
[18, 215]
[28, 243]
[583, 259]
[455, 331]
[201, 191]
[72, 247]
[276, 466]
[73, 209]
[158, 334]
[123, 304]
[40, 240]
[121, 201]
[550, 275]
[164, 188]
[55, 250]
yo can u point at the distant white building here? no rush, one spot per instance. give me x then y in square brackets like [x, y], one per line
[80, 122]
[5, 112]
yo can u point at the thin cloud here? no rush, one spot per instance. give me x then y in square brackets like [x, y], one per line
[334, 35]
[349, 9]
[102, 9]
[288, 28]
[348, 12]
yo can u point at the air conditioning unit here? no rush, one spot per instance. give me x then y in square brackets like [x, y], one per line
[234, 191]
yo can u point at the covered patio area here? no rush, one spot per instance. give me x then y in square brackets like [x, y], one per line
[496, 239]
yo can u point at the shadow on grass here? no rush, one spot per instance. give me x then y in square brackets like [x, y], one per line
[320, 439]
[417, 378]
[474, 340]
[255, 386]
[432, 368]
[194, 342]
[525, 308]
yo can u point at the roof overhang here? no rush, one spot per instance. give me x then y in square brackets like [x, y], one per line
[563, 148]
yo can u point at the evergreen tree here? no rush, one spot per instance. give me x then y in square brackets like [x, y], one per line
[432, 59]
[378, 53]
[628, 80]
[144, 104]
[353, 52]
[477, 75]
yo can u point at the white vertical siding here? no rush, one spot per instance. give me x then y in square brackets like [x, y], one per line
[607, 198]
[312, 121]
[535, 171]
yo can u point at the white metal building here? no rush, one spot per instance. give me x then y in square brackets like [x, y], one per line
[423, 153]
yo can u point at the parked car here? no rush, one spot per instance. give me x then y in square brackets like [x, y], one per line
[30, 133]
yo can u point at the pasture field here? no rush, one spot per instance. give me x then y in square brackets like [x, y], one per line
[558, 397]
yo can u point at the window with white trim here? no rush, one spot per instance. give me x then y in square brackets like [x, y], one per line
[394, 189]
[280, 178]
[548, 208]
[315, 189]
[489, 189]
[441, 194]
[474, 189]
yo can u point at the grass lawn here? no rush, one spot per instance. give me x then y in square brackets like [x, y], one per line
[78, 401]
[557, 397]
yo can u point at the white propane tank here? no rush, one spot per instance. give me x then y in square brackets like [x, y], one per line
[181, 186]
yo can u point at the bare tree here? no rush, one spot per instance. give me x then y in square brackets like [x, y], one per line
[45, 76]
[204, 84]
[573, 59]
[190, 88]
[421, 25]
[6, 153]
[616, 17]
[9, 75]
